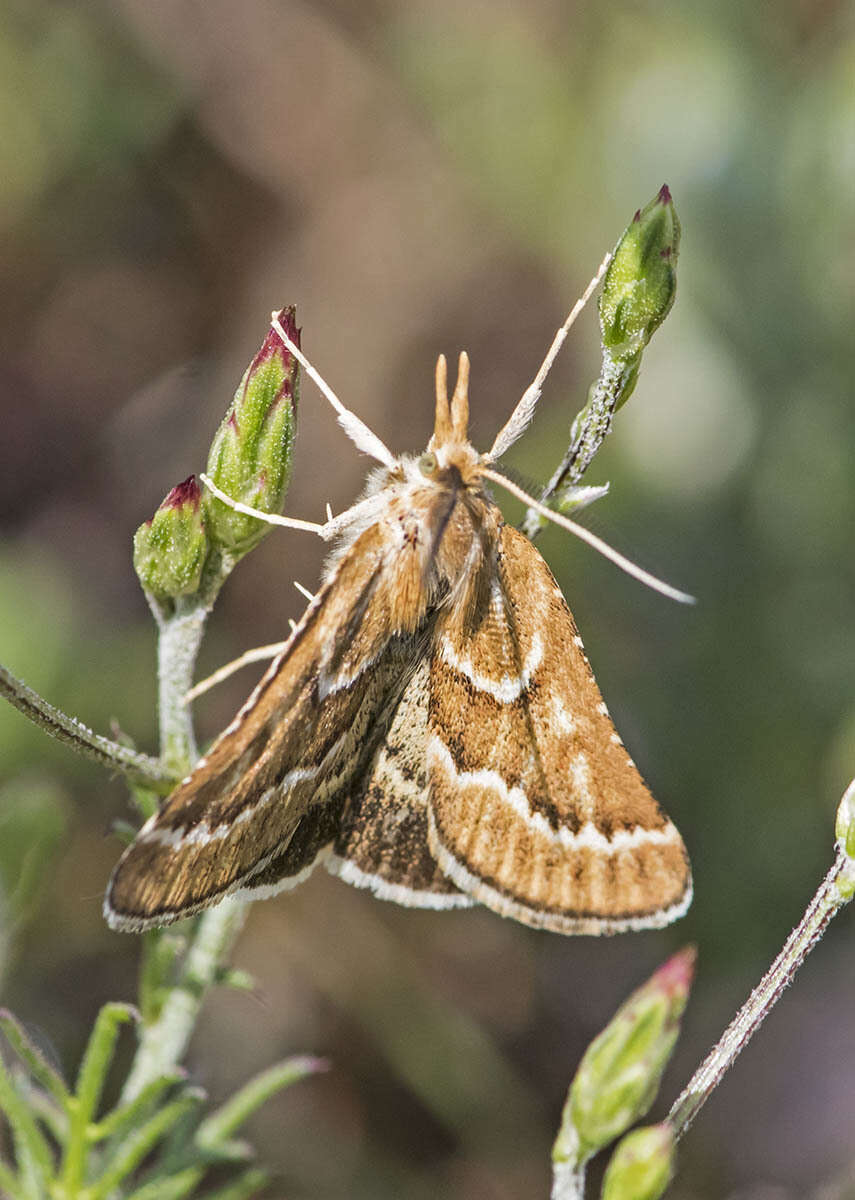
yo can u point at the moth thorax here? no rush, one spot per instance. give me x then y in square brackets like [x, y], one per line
[467, 558]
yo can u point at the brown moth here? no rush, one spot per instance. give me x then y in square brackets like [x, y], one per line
[431, 731]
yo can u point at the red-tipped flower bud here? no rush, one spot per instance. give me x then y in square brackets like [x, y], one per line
[619, 1075]
[170, 549]
[250, 457]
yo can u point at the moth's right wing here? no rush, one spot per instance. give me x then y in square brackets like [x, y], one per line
[267, 799]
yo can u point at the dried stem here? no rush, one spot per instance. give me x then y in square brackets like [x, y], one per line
[825, 905]
[140, 768]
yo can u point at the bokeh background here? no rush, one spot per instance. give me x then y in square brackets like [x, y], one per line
[422, 177]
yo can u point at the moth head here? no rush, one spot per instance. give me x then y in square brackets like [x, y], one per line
[449, 447]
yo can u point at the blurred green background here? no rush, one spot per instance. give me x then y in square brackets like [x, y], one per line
[417, 178]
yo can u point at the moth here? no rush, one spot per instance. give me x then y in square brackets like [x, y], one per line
[432, 730]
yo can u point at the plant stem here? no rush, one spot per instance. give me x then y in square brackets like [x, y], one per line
[163, 1041]
[177, 647]
[568, 1181]
[823, 907]
[587, 433]
[150, 772]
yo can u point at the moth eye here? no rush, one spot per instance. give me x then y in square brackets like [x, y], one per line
[427, 463]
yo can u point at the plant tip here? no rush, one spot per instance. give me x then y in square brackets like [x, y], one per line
[186, 492]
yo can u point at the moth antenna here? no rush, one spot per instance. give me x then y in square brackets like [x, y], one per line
[520, 418]
[270, 518]
[363, 438]
[625, 564]
[460, 399]
[257, 654]
[329, 512]
[304, 591]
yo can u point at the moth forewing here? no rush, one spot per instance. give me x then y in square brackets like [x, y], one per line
[535, 808]
[289, 755]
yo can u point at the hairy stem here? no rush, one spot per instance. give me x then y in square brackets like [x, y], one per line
[177, 647]
[164, 1037]
[164, 1040]
[140, 768]
[589, 430]
[825, 905]
[568, 1181]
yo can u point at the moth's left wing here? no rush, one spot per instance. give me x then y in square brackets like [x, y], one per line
[382, 842]
[266, 800]
[535, 807]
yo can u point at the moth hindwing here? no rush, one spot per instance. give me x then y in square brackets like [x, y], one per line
[431, 731]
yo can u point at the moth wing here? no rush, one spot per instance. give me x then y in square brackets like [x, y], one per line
[535, 807]
[265, 801]
[382, 843]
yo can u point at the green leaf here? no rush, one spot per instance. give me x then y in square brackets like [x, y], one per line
[39, 1067]
[44, 1108]
[248, 1184]
[10, 1184]
[231, 1115]
[172, 1187]
[122, 1120]
[34, 1155]
[90, 1082]
[139, 1143]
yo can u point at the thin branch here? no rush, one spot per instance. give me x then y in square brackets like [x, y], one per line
[140, 768]
[825, 905]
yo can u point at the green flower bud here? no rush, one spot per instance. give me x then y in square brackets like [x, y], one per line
[619, 1075]
[641, 1166]
[844, 831]
[639, 286]
[251, 454]
[171, 548]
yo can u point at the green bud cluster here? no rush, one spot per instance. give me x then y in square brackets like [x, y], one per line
[170, 549]
[639, 288]
[619, 1075]
[641, 1166]
[250, 460]
[251, 455]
